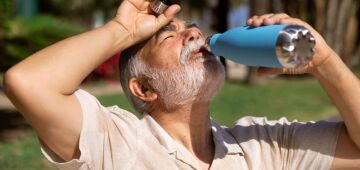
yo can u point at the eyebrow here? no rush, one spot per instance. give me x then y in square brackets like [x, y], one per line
[189, 24]
[172, 27]
[166, 28]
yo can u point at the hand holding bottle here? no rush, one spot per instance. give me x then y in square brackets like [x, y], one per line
[322, 50]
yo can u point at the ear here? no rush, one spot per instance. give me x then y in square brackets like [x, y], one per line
[139, 88]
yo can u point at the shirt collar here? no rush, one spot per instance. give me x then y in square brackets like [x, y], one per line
[160, 134]
[223, 139]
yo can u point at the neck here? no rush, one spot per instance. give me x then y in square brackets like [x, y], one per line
[190, 126]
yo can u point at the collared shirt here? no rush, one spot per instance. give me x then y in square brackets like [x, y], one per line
[112, 138]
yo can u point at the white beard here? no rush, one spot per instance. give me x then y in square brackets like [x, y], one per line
[197, 80]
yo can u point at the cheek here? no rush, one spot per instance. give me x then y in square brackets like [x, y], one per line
[168, 56]
[173, 45]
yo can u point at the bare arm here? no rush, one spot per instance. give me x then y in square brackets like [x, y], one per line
[343, 87]
[42, 86]
[340, 83]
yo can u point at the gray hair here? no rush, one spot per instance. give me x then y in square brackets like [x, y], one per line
[130, 66]
[175, 87]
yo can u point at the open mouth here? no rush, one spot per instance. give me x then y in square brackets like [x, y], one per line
[194, 51]
[201, 52]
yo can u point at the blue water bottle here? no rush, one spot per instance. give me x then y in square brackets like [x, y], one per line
[275, 46]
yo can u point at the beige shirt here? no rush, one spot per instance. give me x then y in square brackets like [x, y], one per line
[112, 138]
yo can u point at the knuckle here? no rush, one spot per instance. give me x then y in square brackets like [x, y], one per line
[283, 15]
[298, 20]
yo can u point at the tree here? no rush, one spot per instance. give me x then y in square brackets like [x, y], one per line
[220, 12]
[257, 7]
[6, 8]
[82, 11]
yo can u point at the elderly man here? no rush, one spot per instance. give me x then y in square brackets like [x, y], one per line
[171, 79]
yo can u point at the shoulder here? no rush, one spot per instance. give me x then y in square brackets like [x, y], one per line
[282, 130]
[97, 117]
[259, 129]
[116, 112]
[90, 103]
[250, 120]
[249, 125]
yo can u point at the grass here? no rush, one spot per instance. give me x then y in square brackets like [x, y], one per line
[23, 154]
[302, 99]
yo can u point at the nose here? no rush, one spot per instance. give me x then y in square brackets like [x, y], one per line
[191, 34]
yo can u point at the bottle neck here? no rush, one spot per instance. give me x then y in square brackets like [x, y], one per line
[211, 41]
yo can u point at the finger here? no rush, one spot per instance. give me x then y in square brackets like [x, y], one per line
[295, 21]
[260, 20]
[262, 71]
[168, 15]
[290, 21]
[251, 20]
[275, 19]
[274, 71]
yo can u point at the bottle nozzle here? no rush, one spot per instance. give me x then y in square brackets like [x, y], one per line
[207, 43]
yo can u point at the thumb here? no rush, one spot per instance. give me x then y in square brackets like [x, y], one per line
[167, 16]
[292, 71]
[263, 71]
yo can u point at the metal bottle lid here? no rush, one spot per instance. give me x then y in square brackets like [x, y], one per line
[159, 6]
[295, 46]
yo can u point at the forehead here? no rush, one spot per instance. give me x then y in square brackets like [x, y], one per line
[152, 51]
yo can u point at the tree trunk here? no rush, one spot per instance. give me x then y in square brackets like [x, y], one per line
[320, 17]
[331, 21]
[258, 7]
[278, 6]
[351, 36]
[303, 9]
[342, 23]
[221, 11]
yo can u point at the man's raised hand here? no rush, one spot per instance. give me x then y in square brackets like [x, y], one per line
[137, 19]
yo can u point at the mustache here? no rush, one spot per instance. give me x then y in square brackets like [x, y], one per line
[191, 47]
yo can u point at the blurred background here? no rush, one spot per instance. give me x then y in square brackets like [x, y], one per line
[27, 26]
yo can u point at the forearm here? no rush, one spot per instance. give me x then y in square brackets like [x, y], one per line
[63, 66]
[343, 87]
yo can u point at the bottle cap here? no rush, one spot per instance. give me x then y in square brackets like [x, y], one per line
[159, 6]
[295, 46]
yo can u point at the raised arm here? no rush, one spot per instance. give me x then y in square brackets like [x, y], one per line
[42, 86]
[340, 83]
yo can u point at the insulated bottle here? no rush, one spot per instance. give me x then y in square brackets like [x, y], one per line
[275, 46]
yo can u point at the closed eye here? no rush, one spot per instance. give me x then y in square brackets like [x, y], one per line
[170, 36]
[167, 37]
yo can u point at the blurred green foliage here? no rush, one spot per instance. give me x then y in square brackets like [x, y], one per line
[24, 36]
[6, 10]
[81, 10]
[30, 35]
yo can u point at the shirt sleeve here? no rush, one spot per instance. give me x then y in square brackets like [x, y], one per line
[105, 133]
[287, 145]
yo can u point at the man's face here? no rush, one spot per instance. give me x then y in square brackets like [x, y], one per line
[182, 68]
[165, 47]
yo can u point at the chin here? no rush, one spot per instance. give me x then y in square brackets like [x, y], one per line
[214, 79]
